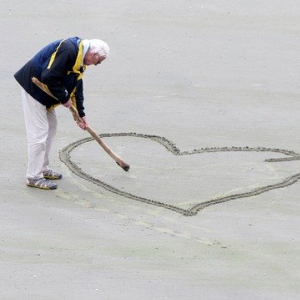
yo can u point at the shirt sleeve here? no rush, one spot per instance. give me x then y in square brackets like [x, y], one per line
[54, 75]
[79, 98]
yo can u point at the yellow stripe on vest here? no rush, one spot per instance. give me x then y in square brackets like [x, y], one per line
[53, 56]
[77, 66]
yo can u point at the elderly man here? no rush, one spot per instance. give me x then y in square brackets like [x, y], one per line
[60, 66]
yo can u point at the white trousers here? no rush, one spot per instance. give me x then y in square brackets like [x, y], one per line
[41, 127]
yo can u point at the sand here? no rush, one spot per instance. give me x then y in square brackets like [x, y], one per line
[202, 100]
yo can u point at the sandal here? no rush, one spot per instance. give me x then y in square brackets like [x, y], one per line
[41, 183]
[52, 175]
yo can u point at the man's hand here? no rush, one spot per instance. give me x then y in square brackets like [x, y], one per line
[68, 103]
[82, 123]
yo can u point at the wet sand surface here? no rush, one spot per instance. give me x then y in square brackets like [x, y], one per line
[202, 99]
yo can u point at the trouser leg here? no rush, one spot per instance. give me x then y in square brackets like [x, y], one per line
[52, 122]
[41, 129]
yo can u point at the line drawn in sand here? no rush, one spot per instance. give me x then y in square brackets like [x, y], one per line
[289, 156]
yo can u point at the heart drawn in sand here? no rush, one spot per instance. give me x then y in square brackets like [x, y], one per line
[208, 176]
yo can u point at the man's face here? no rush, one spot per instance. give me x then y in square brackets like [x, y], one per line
[93, 59]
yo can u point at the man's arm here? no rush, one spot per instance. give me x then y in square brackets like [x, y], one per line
[80, 98]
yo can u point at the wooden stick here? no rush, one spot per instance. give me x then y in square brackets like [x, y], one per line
[76, 117]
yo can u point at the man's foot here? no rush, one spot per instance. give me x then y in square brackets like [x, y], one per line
[52, 175]
[41, 183]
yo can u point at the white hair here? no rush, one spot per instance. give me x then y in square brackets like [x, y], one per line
[100, 47]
